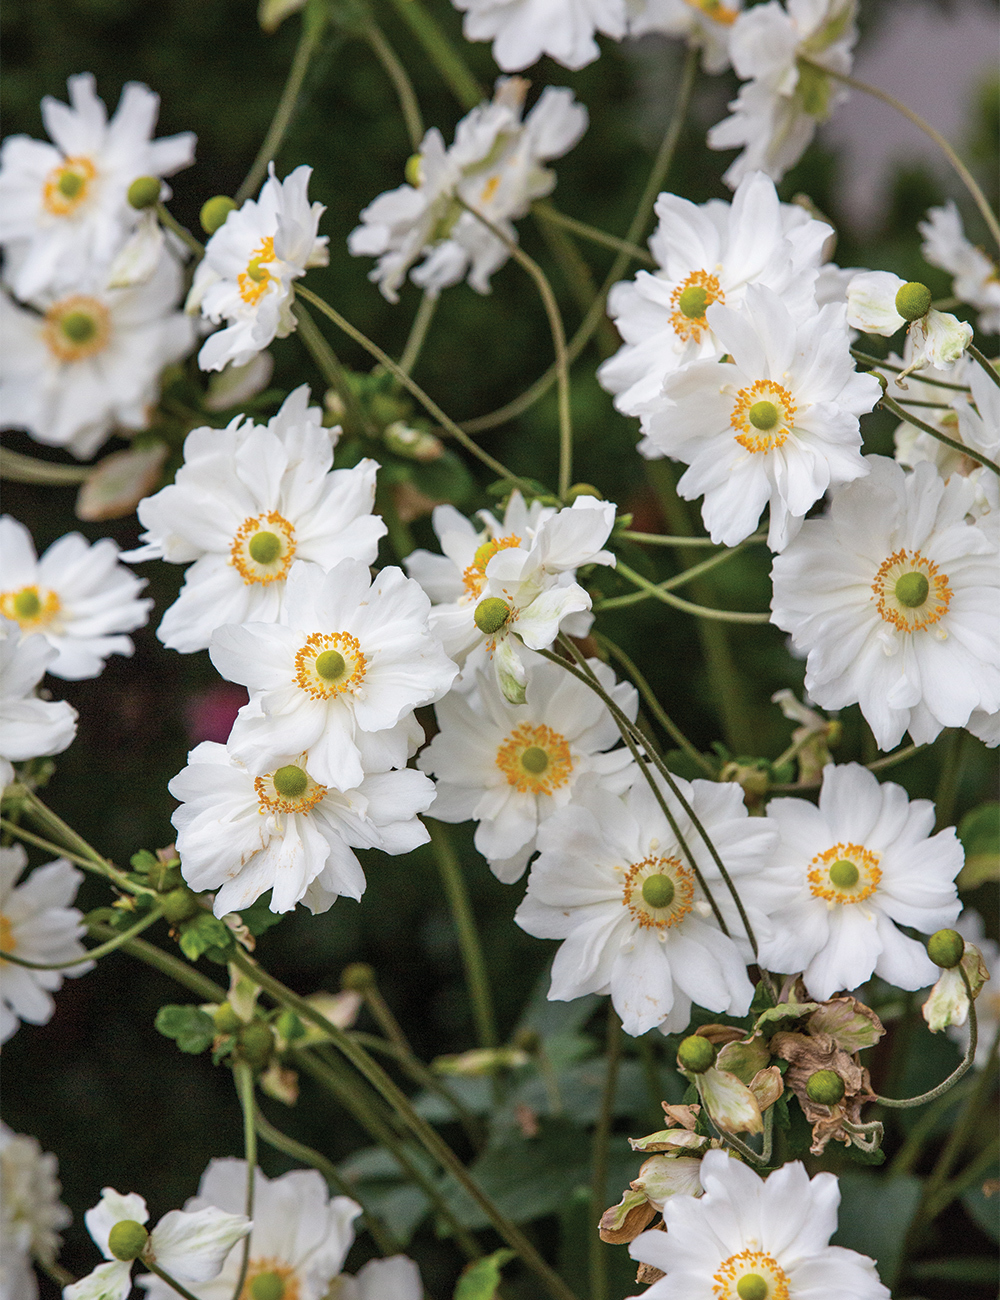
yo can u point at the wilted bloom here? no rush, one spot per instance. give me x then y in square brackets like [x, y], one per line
[970, 925]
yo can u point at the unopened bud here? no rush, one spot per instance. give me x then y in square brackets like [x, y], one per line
[913, 300]
[695, 1054]
[257, 1043]
[144, 191]
[127, 1239]
[825, 1087]
[491, 614]
[414, 444]
[226, 1020]
[946, 948]
[583, 490]
[215, 211]
[358, 977]
[289, 1026]
[179, 905]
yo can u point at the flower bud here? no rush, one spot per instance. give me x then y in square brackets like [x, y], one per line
[358, 977]
[144, 191]
[179, 905]
[226, 1020]
[913, 300]
[127, 1239]
[257, 1043]
[289, 1026]
[582, 490]
[945, 948]
[215, 211]
[695, 1054]
[491, 614]
[825, 1087]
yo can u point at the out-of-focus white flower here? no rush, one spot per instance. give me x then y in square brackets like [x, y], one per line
[510, 767]
[495, 166]
[395, 1278]
[972, 929]
[63, 207]
[894, 597]
[523, 30]
[874, 300]
[79, 365]
[77, 596]
[775, 115]
[849, 873]
[249, 267]
[773, 1232]
[976, 278]
[283, 831]
[339, 677]
[777, 425]
[300, 1236]
[247, 502]
[141, 254]
[979, 429]
[29, 727]
[31, 1213]
[36, 924]
[706, 24]
[707, 253]
[615, 885]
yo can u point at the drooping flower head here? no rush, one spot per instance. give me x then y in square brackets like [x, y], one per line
[523, 30]
[29, 727]
[879, 302]
[31, 1213]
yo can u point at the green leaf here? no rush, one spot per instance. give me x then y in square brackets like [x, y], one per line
[206, 935]
[875, 1213]
[258, 917]
[143, 861]
[479, 1280]
[979, 831]
[190, 1027]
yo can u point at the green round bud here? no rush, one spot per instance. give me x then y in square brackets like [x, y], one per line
[330, 665]
[693, 301]
[912, 589]
[144, 191]
[844, 874]
[215, 211]
[78, 326]
[695, 1054]
[752, 1286]
[70, 184]
[226, 1020]
[763, 415]
[658, 891]
[27, 603]
[582, 490]
[491, 614]
[179, 905]
[289, 1026]
[290, 781]
[913, 300]
[127, 1239]
[358, 977]
[412, 170]
[535, 760]
[257, 1043]
[264, 547]
[946, 948]
[825, 1087]
[267, 1286]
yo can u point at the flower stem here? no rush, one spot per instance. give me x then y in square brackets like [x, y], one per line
[968, 180]
[951, 770]
[16, 468]
[166, 964]
[332, 371]
[678, 580]
[599, 1158]
[984, 363]
[168, 219]
[93, 954]
[878, 363]
[418, 331]
[906, 1103]
[661, 592]
[903, 414]
[546, 212]
[667, 539]
[909, 1153]
[172, 1281]
[14, 828]
[397, 74]
[82, 852]
[441, 52]
[243, 1078]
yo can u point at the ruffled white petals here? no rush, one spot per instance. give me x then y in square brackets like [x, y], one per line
[29, 727]
[976, 281]
[30, 1212]
[871, 303]
[193, 1245]
[707, 26]
[113, 1208]
[523, 30]
[970, 926]
[111, 1281]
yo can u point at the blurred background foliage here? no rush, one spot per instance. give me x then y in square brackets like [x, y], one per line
[98, 1085]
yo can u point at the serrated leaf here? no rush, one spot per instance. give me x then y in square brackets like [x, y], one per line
[480, 1279]
[204, 932]
[191, 1028]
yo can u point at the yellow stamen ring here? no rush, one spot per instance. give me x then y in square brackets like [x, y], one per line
[716, 10]
[659, 892]
[845, 873]
[271, 1270]
[255, 279]
[763, 415]
[903, 599]
[77, 327]
[474, 577]
[67, 186]
[330, 664]
[536, 759]
[298, 797]
[750, 1275]
[690, 300]
[263, 548]
[31, 608]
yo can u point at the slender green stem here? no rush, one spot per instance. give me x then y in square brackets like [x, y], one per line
[22, 833]
[968, 180]
[666, 539]
[599, 1155]
[678, 580]
[903, 414]
[937, 406]
[879, 364]
[400, 537]
[473, 960]
[26, 469]
[984, 363]
[168, 219]
[313, 26]
[171, 1281]
[546, 212]
[418, 331]
[397, 74]
[906, 1103]
[879, 765]
[428, 403]
[243, 1078]
[93, 954]
[83, 853]
[701, 611]
[441, 52]
[330, 368]
[61, 1276]
[166, 964]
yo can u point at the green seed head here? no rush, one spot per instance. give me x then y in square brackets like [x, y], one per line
[214, 213]
[534, 760]
[264, 547]
[290, 782]
[358, 977]
[912, 589]
[144, 191]
[491, 614]
[658, 891]
[763, 415]
[913, 300]
[257, 1043]
[693, 301]
[127, 1239]
[825, 1087]
[226, 1020]
[752, 1286]
[27, 603]
[179, 905]
[844, 874]
[695, 1054]
[70, 184]
[267, 1286]
[946, 948]
[330, 665]
[78, 326]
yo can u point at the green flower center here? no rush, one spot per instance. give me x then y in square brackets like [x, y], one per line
[267, 1286]
[27, 603]
[658, 891]
[913, 300]
[844, 874]
[534, 760]
[78, 327]
[290, 782]
[330, 665]
[763, 415]
[825, 1087]
[144, 191]
[127, 1239]
[71, 183]
[264, 547]
[491, 614]
[695, 1054]
[912, 589]
[693, 301]
[752, 1286]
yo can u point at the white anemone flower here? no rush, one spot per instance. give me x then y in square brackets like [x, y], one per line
[510, 767]
[704, 24]
[339, 677]
[773, 1233]
[852, 871]
[300, 1235]
[31, 1213]
[64, 206]
[494, 165]
[894, 596]
[523, 30]
[247, 502]
[395, 1278]
[79, 366]
[879, 302]
[707, 253]
[191, 1246]
[979, 429]
[29, 727]
[775, 115]
[251, 262]
[976, 277]
[37, 924]
[242, 835]
[614, 884]
[76, 596]
[777, 425]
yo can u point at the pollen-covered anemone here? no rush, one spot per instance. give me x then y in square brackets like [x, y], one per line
[894, 596]
[615, 884]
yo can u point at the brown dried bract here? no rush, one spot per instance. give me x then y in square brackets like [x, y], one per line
[807, 1053]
